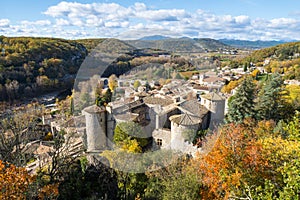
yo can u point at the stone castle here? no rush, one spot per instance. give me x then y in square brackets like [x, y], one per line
[169, 122]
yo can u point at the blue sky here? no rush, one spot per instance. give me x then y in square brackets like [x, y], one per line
[128, 19]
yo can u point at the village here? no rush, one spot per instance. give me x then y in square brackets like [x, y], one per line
[143, 121]
[172, 109]
[171, 114]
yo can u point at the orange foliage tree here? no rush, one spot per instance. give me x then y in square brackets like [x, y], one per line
[253, 160]
[14, 181]
[17, 183]
[234, 164]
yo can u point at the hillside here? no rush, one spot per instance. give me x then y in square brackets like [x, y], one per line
[154, 37]
[211, 44]
[279, 52]
[258, 44]
[31, 66]
[91, 43]
[111, 56]
[283, 58]
[34, 66]
[180, 45]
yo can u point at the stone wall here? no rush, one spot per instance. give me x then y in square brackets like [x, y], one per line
[95, 129]
[177, 138]
[164, 135]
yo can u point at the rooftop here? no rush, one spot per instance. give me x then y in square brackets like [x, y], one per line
[128, 106]
[94, 109]
[128, 116]
[193, 107]
[158, 101]
[185, 119]
[213, 97]
[200, 87]
[212, 79]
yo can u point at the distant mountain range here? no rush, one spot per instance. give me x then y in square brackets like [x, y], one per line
[210, 44]
[258, 44]
[155, 37]
[183, 44]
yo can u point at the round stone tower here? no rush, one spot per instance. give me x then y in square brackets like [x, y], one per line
[96, 136]
[183, 129]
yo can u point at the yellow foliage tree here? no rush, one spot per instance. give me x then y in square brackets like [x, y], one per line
[255, 73]
[294, 93]
[230, 86]
[112, 82]
[131, 146]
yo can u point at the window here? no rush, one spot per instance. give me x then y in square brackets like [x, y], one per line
[159, 142]
[147, 116]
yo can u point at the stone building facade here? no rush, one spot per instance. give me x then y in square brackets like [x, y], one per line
[215, 103]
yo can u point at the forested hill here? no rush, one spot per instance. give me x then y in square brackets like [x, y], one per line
[180, 44]
[281, 52]
[90, 44]
[258, 44]
[283, 58]
[31, 66]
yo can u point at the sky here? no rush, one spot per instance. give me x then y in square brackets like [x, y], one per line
[129, 19]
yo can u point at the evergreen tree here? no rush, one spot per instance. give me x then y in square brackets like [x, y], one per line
[108, 95]
[242, 104]
[270, 103]
[148, 87]
[246, 66]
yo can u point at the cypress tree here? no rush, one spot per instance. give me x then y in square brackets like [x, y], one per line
[270, 103]
[242, 104]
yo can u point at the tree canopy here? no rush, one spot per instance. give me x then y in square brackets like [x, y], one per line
[242, 104]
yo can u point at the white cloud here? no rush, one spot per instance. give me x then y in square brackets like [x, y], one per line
[72, 19]
[116, 24]
[38, 22]
[283, 23]
[242, 19]
[4, 22]
[139, 7]
[162, 15]
[62, 22]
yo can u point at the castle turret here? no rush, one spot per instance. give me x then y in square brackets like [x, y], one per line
[96, 136]
[215, 103]
[183, 130]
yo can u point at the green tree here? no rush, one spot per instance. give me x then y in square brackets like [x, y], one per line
[246, 66]
[126, 131]
[147, 86]
[89, 182]
[179, 180]
[102, 100]
[108, 95]
[242, 104]
[271, 103]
